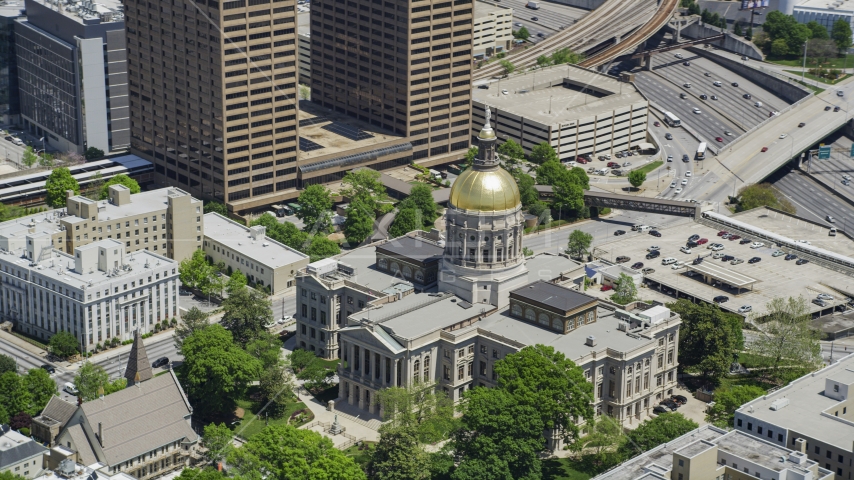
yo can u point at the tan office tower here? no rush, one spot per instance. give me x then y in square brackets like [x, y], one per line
[213, 95]
[403, 65]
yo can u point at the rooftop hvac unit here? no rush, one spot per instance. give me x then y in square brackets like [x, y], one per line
[591, 341]
[779, 404]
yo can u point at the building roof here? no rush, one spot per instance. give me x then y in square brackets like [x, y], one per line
[138, 367]
[807, 402]
[485, 189]
[723, 274]
[81, 441]
[418, 314]
[237, 237]
[58, 410]
[411, 247]
[304, 23]
[539, 95]
[845, 7]
[106, 11]
[140, 204]
[15, 447]
[140, 418]
[551, 295]
[482, 9]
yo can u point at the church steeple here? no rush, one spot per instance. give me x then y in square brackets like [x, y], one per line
[486, 158]
[138, 368]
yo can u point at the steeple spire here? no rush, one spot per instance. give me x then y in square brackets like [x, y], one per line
[138, 368]
[486, 158]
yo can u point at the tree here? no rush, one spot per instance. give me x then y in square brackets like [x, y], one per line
[7, 475]
[625, 290]
[236, 283]
[285, 232]
[208, 473]
[277, 386]
[737, 28]
[322, 247]
[656, 431]
[93, 153]
[29, 158]
[300, 359]
[543, 61]
[267, 348]
[46, 160]
[59, 181]
[817, 30]
[365, 185]
[761, 195]
[471, 155]
[507, 66]
[195, 272]
[522, 33]
[636, 178]
[21, 420]
[283, 451]
[528, 194]
[304, 92]
[579, 242]
[41, 388]
[399, 455]
[216, 371]
[316, 376]
[245, 314]
[407, 220]
[749, 34]
[727, 401]
[120, 179]
[9, 212]
[708, 339]
[63, 344]
[568, 195]
[543, 153]
[217, 441]
[315, 208]
[115, 385]
[786, 336]
[565, 55]
[191, 322]
[7, 364]
[421, 199]
[216, 207]
[511, 153]
[14, 396]
[428, 410]
[605, 434]
[359, 224]
[779, 47]
[841, 34]
[819, 50]
[551, 172]
[91, 381]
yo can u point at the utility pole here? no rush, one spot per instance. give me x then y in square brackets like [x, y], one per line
[804, 67]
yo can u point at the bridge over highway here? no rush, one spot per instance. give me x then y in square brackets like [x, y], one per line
[635, 203]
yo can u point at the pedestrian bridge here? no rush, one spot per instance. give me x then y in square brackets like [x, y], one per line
[630, 202]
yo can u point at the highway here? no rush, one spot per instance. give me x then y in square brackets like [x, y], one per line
[682, 143]
[812, 201]
[552, 17]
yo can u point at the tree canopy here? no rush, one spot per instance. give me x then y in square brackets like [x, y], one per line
[59, 181]
[728, 400]
[709, 338]
[245, 314]
[286, 232]
[216, 207]
[543, 153]
[786, 336]
[93, 153]
[321, 247]
[195, 272]
[636, 178]
[7, 364]
[522, 33]
[656, 431]
[407, 220]
[315, 208]
[191, 322]
[63, 344]
[217, 440]
[528, 194]
[421, 198]
[841, 34]
[780, 26]
[283, 451]
[507, 66]
[93, 381]
[763, 194]
[579, 242]
[120, 179]
[359, 224]
[625, 290]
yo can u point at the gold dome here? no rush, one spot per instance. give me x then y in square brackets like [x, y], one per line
[491, 190]
[486, 133]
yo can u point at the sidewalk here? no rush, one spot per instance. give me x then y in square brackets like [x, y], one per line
[17, 341]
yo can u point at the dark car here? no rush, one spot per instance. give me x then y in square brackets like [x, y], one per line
[827, 108]
[754, 260]
[637, 265]
[692, 244]
[48, 368]
[619, 232]
[802, 261]
[734, 237]
[653, 254]
[656, 124]
[836, 109]
[734, 84]
[483, 87]
[704, 96]
[658, 410]
[622, 259]
[535, 19]
[744, 240]
[687, 64]
[697, 261]
[801, 125]
[680, 398]
[693, 238]
[655, 233]
[685, 157]
[702, 241]
[727, 258]
[670, 404]
[746, 95]
[722, 233]
[721, 299]
[160, 362]
[791, 256]
[819, 302]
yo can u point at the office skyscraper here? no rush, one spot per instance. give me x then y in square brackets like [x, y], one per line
[213, 95]
[402, 65]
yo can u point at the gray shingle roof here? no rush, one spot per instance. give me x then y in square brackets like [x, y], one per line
[555, 296]
[17, 451]
[138, 368]
[59, 410]
[81, 441]
[140, 418]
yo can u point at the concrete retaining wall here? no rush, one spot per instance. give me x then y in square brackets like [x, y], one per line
[791, 92]
[587, 4]
[732, 43]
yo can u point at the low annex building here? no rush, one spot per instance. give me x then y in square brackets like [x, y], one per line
[19, 454]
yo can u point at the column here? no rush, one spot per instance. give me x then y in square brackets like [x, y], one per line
[350, 357]
[383, 369]
[394, 367]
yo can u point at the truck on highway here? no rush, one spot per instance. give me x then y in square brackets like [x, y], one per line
[533, 5]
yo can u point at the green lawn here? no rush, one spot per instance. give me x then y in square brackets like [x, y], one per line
[251, 424]
[813, 77]
[561, 469]
[731, 381]
[361, 454]
[798, 61]
[650, 167]
[812, 87]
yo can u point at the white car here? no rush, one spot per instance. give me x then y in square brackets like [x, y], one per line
[757, 245]
[696, 110]
[806, 242]
[716, 83]
[505, 92]
[847, 177]
[824, 296]
[678, 55]
[688, 173]
[677, 266]
[672, 184]
[684, 181]
[744, 309]
[270, 325]
[782, 136]
[571, 164]
[679, 190]
[653, 247]
[717, 247]
[670, 158]
[685, 250]
[717, 255]
[285, 318]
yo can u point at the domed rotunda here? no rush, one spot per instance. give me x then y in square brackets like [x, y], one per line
[483, 258]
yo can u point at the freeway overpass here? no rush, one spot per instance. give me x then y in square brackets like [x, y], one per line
[634, 203]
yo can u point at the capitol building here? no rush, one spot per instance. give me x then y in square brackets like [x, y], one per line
[423, 308]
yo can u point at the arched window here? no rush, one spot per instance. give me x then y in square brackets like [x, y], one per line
[407, 272]
[427, 368]
[395, 268]
[382, 263]
[580, 320]
[557, 325]
[517, 310]
[416, 377]
[419, 276]
[530, 315]
[570, 324]
[544, 319]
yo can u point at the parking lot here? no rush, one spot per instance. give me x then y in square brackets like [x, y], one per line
[774, 276]
[551, 17]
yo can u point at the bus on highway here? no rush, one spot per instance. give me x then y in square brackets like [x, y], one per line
[701, 151]
[671, 120]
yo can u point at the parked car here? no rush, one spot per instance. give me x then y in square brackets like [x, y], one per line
[819, 302]
[734, 237]
[736, 261]
[717, 255]
[680, 398]
[745, 309]
[777, 253]
[722, 233]
[48, 368]
[802, 261]
[655, 233]
[757, 245]
[702, 241]
[70, 388]
[744, 240]
[605, 288]
[755, 260]
[285, 318]
[670, 404]
[653, 247]
[717, 247]
[726, 236]
[727, 258]
[721, 299]
[685, 250]
[692, 244]
[617, 233]
[827, 108]
[693, 238]
[836, 109]
[622, 259]
[637, 265]
[160, 362]
[825, 296]
[647, 271]
[658, 409]
[791, 256]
